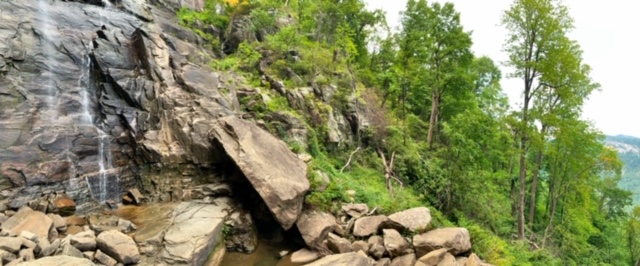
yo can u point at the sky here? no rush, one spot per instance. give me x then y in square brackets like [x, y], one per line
[607, 34]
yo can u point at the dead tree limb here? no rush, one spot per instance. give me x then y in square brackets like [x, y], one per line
[349, 161]
[388, 169]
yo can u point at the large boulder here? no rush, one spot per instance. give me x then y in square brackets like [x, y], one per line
[314, 226]
[346, 259]
[275, 172]
[455, 239]
[193, 234]
[59, 261]
[118, 246]
[414, 220]
[29, 220]
[368, 225]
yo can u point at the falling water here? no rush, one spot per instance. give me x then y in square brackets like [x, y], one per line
[106, 3]
[47, 42]
[105, 163]
[83, 83]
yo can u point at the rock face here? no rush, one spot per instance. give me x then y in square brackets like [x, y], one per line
[275, 172]
[132, 95]
[455, 240]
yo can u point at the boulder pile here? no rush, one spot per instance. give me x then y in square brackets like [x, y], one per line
[360, 238]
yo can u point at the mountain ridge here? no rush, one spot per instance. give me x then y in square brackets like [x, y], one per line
[628, 148]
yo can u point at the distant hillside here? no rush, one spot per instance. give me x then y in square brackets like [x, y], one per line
[629, 150]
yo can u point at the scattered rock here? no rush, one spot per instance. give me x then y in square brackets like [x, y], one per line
[405, 260]
[321, 180]
[394, 243]
[71, 251]
[84, 241]
[64, 205]
[7, 256]
[304, 256]
[360, 245]
[315, 225]
[346, 259]
[448, 260]
[383, 262]
[355, 210]
[136, 196]
[27, 254]
[456, 240]
[90, 255]
[29, 220]
[414, 220]
[104, 258]
[338, 244]
[366, 226]
[10, 244]
[59, 261]
[58, 222]
[433, 258]
[118, 246]
[473, 260]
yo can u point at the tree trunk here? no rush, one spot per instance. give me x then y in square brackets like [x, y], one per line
[521, 195]
[534, 184]
[432, 119]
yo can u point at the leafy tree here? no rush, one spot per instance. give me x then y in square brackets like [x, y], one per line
[535, 27]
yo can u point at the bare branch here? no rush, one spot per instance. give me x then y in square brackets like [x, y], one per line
[349, 161]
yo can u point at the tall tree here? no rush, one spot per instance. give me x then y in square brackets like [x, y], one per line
[535, 27]
[448, 47]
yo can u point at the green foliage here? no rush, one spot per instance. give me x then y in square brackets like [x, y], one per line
[423, 96]
[367, 182]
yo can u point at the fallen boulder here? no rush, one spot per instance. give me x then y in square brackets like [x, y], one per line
[276, 173]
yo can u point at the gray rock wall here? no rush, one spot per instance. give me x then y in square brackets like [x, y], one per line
[91, 93]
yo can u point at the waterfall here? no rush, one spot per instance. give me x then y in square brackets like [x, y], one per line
[106, 3]
[105, 163]
[48, 45]
[105, 185]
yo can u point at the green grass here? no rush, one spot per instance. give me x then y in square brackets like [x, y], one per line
[368, 183]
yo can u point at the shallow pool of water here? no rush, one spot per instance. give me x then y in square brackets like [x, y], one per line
[266, 254]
